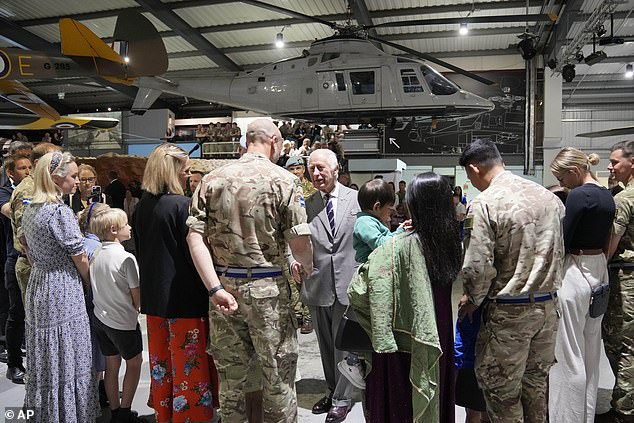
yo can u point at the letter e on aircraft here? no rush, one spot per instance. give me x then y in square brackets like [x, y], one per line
[24, 64]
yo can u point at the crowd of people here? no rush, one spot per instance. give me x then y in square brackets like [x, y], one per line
[227, 266]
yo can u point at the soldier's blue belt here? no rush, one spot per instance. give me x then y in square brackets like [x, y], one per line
[248, 272]
[538, 297]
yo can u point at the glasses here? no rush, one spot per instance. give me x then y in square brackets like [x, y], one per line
[85, 180]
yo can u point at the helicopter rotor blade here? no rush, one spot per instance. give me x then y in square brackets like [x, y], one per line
[432, 59]
[542, 17]
[289, 12]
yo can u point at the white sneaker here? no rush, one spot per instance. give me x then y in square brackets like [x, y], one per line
[353, 373]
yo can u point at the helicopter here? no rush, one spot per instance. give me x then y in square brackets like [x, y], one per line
[340, 79]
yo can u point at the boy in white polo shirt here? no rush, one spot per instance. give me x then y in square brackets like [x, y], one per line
[114, 276]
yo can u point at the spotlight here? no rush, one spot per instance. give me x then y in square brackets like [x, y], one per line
[568, 72]
[629, 71]
[552, 64]
[601, 31]
[61, 95]
[279, 40]
[579, 56]
[596, 57]
[126, 59]
[527, 48]
[464, 30]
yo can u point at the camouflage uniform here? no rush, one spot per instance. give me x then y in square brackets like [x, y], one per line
[618, 322]
[302, 313]
[19, 199]
[514, 247]
[248, 210]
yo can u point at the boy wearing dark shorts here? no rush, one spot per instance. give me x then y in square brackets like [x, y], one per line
[114, 276]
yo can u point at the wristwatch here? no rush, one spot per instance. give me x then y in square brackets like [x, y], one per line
[215, 289]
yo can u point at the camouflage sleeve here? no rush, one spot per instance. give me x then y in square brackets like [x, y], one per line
[17, 210]
[294, 218]
[478, 270]
[197, 220]
[624, 213]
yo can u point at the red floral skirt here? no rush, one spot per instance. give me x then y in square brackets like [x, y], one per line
[183, 383]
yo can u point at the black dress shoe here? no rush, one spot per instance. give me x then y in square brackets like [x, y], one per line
[337, 414]
[15, 375]
[322, 406]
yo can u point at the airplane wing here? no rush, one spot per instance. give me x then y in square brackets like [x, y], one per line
[27, 121]
[17, 93]
[626, 130]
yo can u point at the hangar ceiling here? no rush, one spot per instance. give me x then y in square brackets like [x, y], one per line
[209, 37]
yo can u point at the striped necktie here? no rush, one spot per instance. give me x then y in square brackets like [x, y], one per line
[330, 212]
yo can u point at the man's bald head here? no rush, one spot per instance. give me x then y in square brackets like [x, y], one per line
[264, 137]
[260, 130]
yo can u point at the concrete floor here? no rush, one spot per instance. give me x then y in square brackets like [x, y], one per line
[310, 388]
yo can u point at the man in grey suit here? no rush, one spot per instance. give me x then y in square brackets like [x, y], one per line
[331, 212]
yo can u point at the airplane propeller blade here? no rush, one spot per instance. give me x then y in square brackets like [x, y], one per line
[289, 12]
[626, 130]
[432, 59]
[474, 19]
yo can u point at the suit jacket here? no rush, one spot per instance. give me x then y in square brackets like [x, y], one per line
[116, 191]
[333, 256]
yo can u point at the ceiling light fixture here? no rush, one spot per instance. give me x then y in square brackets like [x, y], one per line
[629, 71]
[126, 59]
[464, 30]
[279, 40]
[527, 48]
[568, 72]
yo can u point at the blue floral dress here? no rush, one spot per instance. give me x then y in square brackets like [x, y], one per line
[60, 382]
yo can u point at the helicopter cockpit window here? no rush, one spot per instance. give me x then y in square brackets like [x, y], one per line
[341, 83]
[362, 82]
[438, 84]
[312, 61]
[329, 56]
[411, 84]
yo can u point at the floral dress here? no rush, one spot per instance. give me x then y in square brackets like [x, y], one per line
[60, 383]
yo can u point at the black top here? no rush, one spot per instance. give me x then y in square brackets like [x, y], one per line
[74, 201]
[590, 212]
[170, 285]
[5, 197]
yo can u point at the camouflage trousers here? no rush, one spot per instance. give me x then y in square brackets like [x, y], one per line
[263, 327]
[22, 273]
[302, 313]
[618, 337]
[514, 352]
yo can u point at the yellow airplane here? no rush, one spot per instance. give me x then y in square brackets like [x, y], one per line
[140, 53]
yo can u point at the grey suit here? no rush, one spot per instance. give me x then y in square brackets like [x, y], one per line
[325, 292]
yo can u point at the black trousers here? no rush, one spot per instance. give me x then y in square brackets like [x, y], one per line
[14, 331]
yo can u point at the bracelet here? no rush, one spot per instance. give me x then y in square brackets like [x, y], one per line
[215, 289]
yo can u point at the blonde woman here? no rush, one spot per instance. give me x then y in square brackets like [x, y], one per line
[61, 385]
[173, 297]
[589, 214]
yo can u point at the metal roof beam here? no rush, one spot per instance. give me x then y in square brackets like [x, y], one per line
[163, 12]
[618, 82]
[392, 37]
[375, 14]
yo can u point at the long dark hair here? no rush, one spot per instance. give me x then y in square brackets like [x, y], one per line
[429, 199]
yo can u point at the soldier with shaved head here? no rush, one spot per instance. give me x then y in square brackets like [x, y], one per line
[513, 265]
[242, 217]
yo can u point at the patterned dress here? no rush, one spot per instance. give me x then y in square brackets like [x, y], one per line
[60, 382]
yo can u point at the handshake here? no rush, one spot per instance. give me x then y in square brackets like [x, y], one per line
[300, 272]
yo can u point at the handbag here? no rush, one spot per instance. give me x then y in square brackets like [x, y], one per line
[599, 296]
[352, 337]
